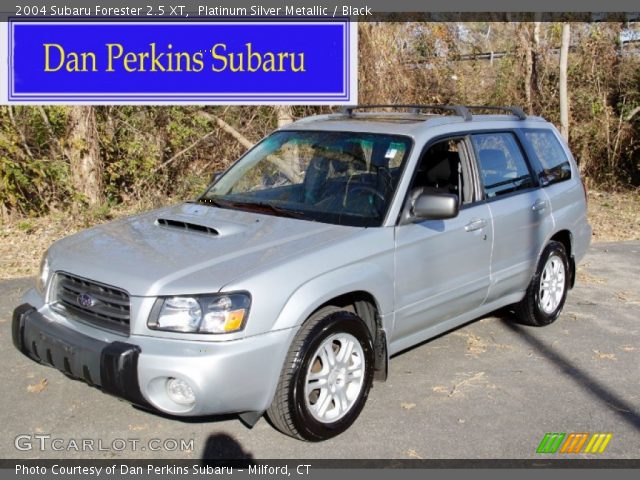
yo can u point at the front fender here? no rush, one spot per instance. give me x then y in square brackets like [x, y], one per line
[367, 277]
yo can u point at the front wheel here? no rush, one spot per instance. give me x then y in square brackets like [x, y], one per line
[547, 291]
[326, 378]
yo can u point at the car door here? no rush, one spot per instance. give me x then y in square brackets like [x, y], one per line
[442, 266]
[520, 211]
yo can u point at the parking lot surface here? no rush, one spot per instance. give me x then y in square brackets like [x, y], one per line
[490, 389]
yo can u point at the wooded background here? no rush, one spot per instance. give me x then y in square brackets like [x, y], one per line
[55, 158]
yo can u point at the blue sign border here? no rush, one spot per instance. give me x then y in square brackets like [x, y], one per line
[205, 97]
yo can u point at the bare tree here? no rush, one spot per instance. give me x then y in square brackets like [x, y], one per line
[525, 39]
[285, 116]
[83, 151]
[564, 94]
[285, 169]
[536, 31]
[535, 77]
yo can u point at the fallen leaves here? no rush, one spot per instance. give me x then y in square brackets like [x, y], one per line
[137, 427]
[407, 406]
[413, 454]
[626, 297]
[604, 356]
[458, 388]
[38, 387]
[584, 277]
[475, 345]
[614, 216]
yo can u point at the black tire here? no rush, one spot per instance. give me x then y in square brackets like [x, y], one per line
[289, 411]
[529, 311]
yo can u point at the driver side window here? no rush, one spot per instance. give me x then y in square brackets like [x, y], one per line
[440, 170]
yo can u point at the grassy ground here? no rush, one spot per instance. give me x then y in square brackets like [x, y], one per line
[614, 217]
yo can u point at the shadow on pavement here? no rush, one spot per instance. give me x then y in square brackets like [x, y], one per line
[589, 384]
[224, 447]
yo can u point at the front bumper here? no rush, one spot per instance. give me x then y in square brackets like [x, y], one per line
[112, 366]
[227, 377]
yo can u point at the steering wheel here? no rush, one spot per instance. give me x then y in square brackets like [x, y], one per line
[366, 189]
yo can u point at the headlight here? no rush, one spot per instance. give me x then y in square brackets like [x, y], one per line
[221, 313]
[43, 276]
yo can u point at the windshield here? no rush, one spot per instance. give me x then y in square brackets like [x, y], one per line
[333, 177]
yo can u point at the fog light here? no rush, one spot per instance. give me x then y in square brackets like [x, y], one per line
[180, 392]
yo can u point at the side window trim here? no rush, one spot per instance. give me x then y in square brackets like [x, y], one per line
[474, 170]
[533, 160]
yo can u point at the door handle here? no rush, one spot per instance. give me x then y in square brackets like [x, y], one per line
[475, 224]
[539, 205]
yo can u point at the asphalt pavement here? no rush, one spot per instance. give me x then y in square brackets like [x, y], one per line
[490, 389]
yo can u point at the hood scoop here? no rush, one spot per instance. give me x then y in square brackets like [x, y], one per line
[187, 226]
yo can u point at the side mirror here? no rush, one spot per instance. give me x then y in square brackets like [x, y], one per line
[435, 206]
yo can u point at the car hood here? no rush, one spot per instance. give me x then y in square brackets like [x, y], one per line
[187, 248]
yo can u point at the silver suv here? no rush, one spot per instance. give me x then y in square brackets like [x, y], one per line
[333, 244]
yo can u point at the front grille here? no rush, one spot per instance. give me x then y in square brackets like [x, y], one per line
[94, 303]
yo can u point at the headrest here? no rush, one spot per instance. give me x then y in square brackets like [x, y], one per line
[443, 167]
[318, 164]
[328, 160]
[357, 160]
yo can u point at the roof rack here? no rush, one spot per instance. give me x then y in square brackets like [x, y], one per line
[459, 110]
[517, 111]
[463, 111]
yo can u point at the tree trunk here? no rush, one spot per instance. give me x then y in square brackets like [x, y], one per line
[564, 94]
[536, 31]
[285, 115]
[83, 151]
[528, 65]
[535, 79]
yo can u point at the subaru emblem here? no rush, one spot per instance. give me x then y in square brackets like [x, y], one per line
[85, 300]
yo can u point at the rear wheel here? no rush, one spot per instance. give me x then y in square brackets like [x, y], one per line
[547, 291]
[326, 378]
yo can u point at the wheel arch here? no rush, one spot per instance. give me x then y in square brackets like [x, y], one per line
[365, 306]
[566, 239]
[364, 289]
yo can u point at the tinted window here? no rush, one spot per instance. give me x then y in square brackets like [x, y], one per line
[502, 166]
[551, 155]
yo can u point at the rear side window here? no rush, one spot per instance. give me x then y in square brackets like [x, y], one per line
[502, 165]
[551, 156]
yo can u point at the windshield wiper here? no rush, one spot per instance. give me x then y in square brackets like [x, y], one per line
[284, 212]
[214, 203]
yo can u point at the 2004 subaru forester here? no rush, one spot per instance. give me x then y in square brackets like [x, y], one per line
[332, 244]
